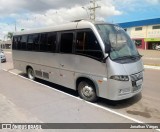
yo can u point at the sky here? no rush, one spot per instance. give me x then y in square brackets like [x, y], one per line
[29, 14]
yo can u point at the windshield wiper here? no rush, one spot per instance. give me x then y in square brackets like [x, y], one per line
[138, 55]
[127, 57]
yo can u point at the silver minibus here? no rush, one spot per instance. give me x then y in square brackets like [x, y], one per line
[96, 59]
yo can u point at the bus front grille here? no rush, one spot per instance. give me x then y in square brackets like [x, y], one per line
[135, 78]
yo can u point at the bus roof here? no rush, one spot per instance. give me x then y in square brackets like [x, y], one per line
[77, 24]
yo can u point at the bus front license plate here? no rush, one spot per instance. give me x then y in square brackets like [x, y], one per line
[139, 82]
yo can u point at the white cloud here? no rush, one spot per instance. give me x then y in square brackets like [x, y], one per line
[153, 1]
[106, 10]
[11, 6]
[17, 6]
[4, 29]
[40, 13]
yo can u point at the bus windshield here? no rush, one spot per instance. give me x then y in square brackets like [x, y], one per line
[122, 46]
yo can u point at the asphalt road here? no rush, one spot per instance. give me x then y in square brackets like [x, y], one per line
[33, 102]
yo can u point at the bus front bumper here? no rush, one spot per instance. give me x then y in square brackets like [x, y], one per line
[119, 90]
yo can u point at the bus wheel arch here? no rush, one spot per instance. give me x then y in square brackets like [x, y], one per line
[30, 72]
[86, 89]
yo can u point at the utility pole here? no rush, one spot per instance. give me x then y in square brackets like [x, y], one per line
[15, 26]
[92, 9]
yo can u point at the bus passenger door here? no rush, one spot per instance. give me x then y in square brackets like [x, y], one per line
[66, 60]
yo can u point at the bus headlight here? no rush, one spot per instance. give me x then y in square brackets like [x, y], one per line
[120, 78]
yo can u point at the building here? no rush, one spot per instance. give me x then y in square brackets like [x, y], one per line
[5, 44]
[145, 33]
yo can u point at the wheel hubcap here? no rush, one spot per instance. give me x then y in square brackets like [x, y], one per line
[31, 75]
[87, 91]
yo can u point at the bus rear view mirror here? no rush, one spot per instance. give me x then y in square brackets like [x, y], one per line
[107, 48]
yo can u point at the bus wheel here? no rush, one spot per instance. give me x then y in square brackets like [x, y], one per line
[86, 91]
[30, 73]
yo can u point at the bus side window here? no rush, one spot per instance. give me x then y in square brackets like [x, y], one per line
[51, 43]
[15, 42]
[30, 43]
[66, 42]
[87, 44]
[36, 42]
[19, 42]
[24, 42]
[43, 42]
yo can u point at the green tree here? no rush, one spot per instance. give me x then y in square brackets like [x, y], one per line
[10, 35]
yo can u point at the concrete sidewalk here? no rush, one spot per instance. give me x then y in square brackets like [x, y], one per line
[150, 57]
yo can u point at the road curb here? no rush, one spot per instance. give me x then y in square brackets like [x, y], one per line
[152, 67]
[158, 65]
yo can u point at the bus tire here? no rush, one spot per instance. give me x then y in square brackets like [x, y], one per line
[86, 91]
[30, 73]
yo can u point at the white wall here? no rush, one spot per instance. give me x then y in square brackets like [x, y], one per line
[146, 32]
[153, 33]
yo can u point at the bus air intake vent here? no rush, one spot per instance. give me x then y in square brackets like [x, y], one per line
[38, 73]
[46, 75]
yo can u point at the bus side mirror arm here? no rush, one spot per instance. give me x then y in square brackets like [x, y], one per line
[107, 51]
[105, 58]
